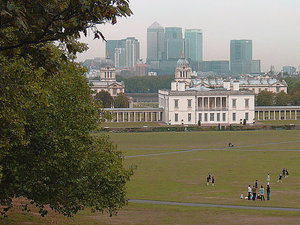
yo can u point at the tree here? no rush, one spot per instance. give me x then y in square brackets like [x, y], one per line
[121, 101]
[265, 98]
[105, 98]
[47, 153]
[282, 99]
[295, 95]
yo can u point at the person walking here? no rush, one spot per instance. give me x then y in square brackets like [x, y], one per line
[268, 192]
[254, 192]
[256, 184]
[268, 178]
[207, 180]
[262, 193]
[249, 192]
[213, 181]
[280, 178]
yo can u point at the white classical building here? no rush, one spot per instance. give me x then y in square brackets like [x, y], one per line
[256, 84]
[107, 81]
[188, 104]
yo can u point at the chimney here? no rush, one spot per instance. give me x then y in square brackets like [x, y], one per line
[236, 85]
[226, 84]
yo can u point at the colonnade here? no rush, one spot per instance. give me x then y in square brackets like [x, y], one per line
[212, 102]
[283, 113]
[135, 116]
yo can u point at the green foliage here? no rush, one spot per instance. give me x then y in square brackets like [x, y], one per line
[47, 154]
[121, 101]
[292, 82]
[105, 98]
[282, 99]
[265, 98]
[146, 84]
[295, 95]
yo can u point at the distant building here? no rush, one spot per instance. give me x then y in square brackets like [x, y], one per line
[193, 44]
[124, 52]
[240, 56]
[107, 80]
[255, 66]
[140, 68]
[155, 42]
[290, 70]
[217, 66]
[255, 84]
[174, 43]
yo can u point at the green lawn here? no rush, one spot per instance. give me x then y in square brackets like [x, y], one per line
[181, 177]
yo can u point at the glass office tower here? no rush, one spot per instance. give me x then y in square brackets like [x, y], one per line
[240, 56]
[155, 42]
[193, 44]
[174, 43]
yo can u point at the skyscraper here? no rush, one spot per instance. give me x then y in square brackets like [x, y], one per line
[193, 44]
[125, 52]
[155, 42]
[240, 56]
[174, 44]
[132, 51]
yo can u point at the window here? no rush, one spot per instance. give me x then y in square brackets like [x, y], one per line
[200, 117]
[189, 103]
[189, 117]
[224, 117]
[277, 89]
[247, 103]
[114, 91]
[205, 117]
[233, 103]
[176, 103]
[218, 116]
[176, 117]
[247, 116]
[233, 116]
[212, 117]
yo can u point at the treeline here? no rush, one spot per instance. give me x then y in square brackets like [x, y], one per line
[146, 84]
[266, 98]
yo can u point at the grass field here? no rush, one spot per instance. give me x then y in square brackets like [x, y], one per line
[181, 177]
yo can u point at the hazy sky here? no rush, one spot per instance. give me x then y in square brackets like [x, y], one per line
[273, 25]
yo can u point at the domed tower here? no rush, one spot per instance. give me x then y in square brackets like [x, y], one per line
[183, 70]
[107, 71]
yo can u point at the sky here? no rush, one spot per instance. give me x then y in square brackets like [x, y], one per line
[272, 25]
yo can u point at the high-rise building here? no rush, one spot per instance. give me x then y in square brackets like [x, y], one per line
[111, 45]
[217, 66]
[174, 43]
[193, 44]
[255, 67]
[132, 51]
[240, 56]
[155, 42]
[124, 52]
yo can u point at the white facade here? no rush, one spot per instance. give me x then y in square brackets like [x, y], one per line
[187, 104]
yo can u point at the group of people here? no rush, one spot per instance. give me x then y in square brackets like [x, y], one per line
[254, 193]
[285, 174]
[209, 179]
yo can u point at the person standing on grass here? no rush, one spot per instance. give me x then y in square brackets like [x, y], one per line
[280, 178]
[256, 184]
[213, 181]
[207, 180]
[249, 192]
[262, 193]
[286, 173]
[283, 172]
[268, 192]
[268, 178]
[254, 192]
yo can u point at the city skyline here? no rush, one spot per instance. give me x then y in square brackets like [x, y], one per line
[271, 25]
